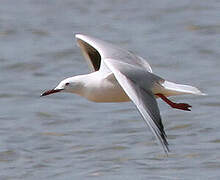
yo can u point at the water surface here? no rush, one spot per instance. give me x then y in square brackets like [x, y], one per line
[66, 137]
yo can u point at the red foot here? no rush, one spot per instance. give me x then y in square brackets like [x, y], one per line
[182, 106]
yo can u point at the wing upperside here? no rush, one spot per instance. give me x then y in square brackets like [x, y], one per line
[145, 103]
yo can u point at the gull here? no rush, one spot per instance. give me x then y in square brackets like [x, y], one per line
[118, 75]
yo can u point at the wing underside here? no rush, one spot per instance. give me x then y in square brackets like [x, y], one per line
[94, 50]
[129, 71]
[91, 55]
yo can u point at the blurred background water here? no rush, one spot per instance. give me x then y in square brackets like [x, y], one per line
[66, 137]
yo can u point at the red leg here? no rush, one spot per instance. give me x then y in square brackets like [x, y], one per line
[182, 106]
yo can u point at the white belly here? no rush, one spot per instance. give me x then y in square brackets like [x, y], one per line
[106, 90]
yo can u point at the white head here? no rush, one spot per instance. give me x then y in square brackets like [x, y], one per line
[71, 85]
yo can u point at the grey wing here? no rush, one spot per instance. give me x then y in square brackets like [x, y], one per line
[90, 53]
[95, 50]
[144, 101]
[145, 64]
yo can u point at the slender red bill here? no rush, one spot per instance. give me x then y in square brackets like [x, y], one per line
[48, 92]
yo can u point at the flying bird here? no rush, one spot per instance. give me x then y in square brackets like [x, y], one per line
[118, 75]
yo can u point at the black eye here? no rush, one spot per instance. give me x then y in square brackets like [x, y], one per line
[67, 84]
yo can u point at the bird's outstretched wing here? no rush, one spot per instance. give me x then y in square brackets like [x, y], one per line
[133, 74]
[142, 97]
[94, 50]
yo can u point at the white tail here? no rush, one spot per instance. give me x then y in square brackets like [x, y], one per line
[172, 89]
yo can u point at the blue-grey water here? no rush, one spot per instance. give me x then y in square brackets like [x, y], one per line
[66, 137]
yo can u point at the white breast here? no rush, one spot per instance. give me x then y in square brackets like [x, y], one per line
[104, 89]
